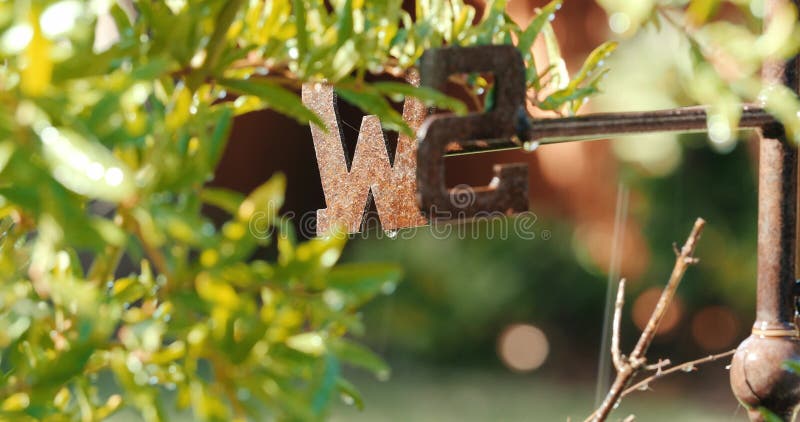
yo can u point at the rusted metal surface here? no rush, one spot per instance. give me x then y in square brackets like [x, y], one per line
[347, 185]
[606, 125]
[758, 376]
[508, 191]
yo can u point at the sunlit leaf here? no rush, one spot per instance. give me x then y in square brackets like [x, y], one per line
[371, 101]
[359, 356]
[36, 75]
[84, 166]
[528, 36]
[431, 97]
[275, 97]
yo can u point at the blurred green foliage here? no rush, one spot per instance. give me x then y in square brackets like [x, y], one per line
[113, 117]
[727, 44]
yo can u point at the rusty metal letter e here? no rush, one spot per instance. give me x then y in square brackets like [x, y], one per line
[508, 191]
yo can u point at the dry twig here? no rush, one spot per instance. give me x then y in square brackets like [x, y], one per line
[616, 356]
[685, 367]
[627, 368]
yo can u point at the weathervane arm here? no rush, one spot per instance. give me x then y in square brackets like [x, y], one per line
[604, 125]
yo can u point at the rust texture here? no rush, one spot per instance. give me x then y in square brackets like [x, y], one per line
[347, 185]
[508, 191]
[605, 125]
[758, 375]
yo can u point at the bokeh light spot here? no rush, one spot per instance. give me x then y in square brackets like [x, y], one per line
[619, 22]
[645, 304]
[714, 328]
[523, 347]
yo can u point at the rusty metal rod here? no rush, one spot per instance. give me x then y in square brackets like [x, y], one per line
[605, 125]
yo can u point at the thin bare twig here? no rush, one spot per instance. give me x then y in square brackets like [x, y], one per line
[616, 356]
[686, 367]
[630, 367]
[658, 366]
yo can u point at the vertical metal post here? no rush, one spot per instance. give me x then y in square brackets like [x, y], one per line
[758, 376]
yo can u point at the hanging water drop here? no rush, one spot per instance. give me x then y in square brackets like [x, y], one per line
[530, 146]
[391, 234]
[388, 287]
[348, 399]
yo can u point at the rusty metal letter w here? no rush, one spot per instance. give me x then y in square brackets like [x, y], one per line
[347, 186]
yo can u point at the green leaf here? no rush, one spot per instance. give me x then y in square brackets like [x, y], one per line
[347, 389]
[345, 60]
[430, 96]
[768, 415]
[310, 343]
[700, 11]
[371, 101]
[359, 356]
[527, 37]
[328, 383]
[274, 97]
[128, 289]
[559, 98]
[265, 200]
[593, 62]
[792, 365]
[224, 199]
[299, 12]
[344, 27]
[560, 79]
[360, 282]
[219, 137]
[85, 167]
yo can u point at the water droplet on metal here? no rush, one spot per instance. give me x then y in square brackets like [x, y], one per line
[530, 146]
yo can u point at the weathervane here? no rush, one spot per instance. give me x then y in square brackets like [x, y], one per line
[412, 190]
